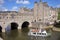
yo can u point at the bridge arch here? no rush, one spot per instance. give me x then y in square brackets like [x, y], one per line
[11, 26]
[0, 28]
[14, 25]
[25, 24]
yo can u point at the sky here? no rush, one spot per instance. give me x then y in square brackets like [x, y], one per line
[14, 5]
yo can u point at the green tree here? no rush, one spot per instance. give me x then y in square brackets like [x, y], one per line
[58, 15]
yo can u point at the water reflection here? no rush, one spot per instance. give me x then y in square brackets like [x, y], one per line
[17, 34]
[39, 38]
[11, 35]
[22, 35]
[1, 36]
[55, 35]
[25, 30]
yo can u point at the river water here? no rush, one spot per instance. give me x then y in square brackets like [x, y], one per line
[22, 35]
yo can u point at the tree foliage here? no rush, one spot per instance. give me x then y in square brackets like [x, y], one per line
[57, 24]
[58, 15]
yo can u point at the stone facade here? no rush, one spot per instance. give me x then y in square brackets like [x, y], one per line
[40, 13]
[43, 12]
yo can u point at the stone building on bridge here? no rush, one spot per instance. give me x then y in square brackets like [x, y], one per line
[41, 12]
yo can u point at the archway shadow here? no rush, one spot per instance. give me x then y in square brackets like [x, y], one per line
[12, 30]
[0, 29]
[1, 35]
[14, 33]
[11, 26]
[14, 26]
[25, 26]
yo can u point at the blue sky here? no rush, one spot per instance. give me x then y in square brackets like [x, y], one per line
[14, 5]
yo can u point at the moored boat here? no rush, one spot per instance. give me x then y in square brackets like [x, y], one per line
[38, 32]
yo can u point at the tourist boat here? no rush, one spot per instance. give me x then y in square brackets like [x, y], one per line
[38, 32]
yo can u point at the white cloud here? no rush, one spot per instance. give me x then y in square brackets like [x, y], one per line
[58, 6]
[22, 2]
[1, 1]
[14, 8]
[3, 8]
[26, 2]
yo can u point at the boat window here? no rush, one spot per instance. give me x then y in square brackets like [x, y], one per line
[39, 33]
[43, 33]
[34, 33]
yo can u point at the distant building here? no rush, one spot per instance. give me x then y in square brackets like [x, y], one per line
[43, 12]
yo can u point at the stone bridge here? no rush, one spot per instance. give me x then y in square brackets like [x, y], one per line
[25, 16]
[9, 20]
